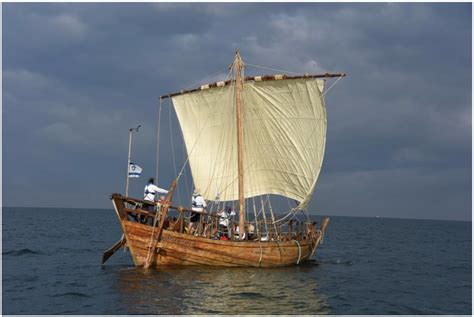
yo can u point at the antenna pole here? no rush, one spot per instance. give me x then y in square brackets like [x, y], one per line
[129, 155]
[238, 66]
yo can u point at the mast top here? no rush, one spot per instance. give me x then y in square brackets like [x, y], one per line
[237, 58]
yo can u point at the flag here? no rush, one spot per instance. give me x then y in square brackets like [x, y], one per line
[134, 170]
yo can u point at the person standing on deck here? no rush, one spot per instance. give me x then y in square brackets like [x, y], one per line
[150, 194]
[198, 204]
[224, 219]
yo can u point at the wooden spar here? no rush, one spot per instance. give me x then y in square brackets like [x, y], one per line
[254, 78]
[238, 65]
[153, 238]
[107, 254]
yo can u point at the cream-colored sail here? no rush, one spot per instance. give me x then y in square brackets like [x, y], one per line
[284, 124]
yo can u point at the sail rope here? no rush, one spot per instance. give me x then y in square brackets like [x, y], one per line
[205, 79]
[285, 217]
[264, 216]
[269, 203]
[261, 253]
[299, 251]
[273, 69]
[187, 158]
[332, 85]
[219, 146]
[201, 130]
[172, 151]
[158, 140]
[189, 155]
[253, 177]
[186, 181]
[271, 213]
[255, 216]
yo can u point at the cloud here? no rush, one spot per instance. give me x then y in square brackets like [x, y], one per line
[186, 41]
[397, 193]
[69, 24]
[77, 76]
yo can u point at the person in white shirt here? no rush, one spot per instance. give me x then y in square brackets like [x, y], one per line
[151, 192]
[198, 204]
[224, 219]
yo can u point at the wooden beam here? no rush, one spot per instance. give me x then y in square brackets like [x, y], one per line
[238, 65]
[155, 238]
[253, 78]
[173, 207]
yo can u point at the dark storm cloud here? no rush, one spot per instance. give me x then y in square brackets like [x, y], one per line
[77, 76]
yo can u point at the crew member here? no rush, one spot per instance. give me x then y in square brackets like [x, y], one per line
[151, 192]
[198, 204]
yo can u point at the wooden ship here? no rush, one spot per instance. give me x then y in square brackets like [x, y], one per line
[246, 138]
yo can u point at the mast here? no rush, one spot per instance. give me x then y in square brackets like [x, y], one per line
[129, 155]
[128, 159]
[238, 65]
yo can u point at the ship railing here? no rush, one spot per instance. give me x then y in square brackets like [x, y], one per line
[208, 225]
[292, 230]
[178, 215]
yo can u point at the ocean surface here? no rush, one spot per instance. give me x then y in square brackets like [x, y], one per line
[51, 265]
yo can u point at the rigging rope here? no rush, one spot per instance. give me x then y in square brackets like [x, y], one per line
[271, 213]
[153, 231]
[203, 79]
[332, 85]
[299, 251]
[206, 121]
[273, 69]
[158, 141]
[172, 151]
[255, 215]
[186, 181]
[263, 214]
[192, 150]
[220, 141]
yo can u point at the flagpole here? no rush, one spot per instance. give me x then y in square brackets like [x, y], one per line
[129, 155]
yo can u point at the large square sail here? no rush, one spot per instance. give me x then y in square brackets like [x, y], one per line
[284, 127]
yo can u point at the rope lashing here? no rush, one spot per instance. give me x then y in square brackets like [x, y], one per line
[299, 251]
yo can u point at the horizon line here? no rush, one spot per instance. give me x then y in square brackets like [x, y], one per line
[311, 214]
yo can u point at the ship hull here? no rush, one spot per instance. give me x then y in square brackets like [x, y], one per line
[181, 248]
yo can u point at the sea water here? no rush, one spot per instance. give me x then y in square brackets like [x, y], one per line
[51, 265]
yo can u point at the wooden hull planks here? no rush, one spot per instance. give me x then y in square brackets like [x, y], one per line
[175, 248]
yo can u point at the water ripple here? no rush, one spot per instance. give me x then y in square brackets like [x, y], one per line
[21, 252]
[367, 267]
[71, 294]
[249, 295]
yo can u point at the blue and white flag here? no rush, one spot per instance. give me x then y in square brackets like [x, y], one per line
[134, 170]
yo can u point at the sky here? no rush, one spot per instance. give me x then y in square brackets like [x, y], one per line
[76, 77]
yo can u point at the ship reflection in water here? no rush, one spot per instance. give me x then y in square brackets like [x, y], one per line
[213, 290]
